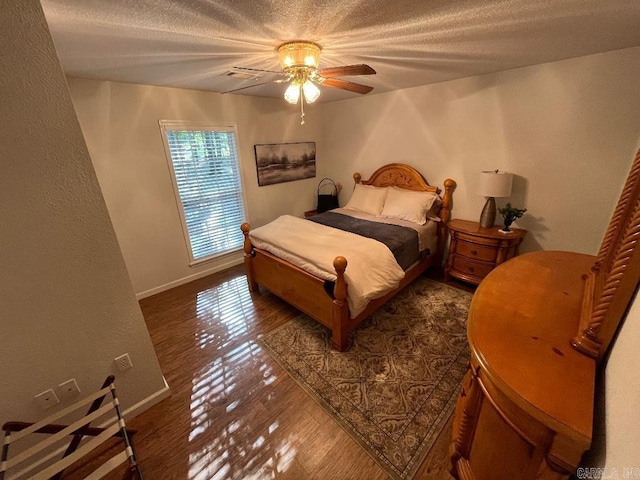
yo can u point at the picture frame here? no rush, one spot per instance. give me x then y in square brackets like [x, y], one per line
[285, 162]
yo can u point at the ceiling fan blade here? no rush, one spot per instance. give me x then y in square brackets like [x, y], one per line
[279, 80]
[344, 85]
[347, 70]
[258, 70]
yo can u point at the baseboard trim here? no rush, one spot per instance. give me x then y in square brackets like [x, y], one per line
[148, 402]
[232, 262]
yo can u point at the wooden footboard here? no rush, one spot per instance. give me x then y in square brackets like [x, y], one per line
[301, 289]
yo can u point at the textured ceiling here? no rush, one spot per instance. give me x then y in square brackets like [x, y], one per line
[194, 43]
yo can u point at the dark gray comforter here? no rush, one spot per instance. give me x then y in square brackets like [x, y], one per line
[402, 241]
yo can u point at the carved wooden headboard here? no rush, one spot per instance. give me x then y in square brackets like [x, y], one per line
[398, 175]
[405, 176]
[613, 278]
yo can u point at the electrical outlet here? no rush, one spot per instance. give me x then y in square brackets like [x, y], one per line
[68, 389]
[123, 362]
[47, 399]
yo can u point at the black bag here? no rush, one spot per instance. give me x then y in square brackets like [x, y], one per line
[327, 201]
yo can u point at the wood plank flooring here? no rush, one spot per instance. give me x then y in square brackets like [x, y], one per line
[234, 413]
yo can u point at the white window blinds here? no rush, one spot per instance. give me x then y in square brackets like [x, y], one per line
[207, 180]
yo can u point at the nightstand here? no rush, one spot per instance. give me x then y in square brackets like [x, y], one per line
[475, 251]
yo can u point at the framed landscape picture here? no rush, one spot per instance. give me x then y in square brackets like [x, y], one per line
[285, 162]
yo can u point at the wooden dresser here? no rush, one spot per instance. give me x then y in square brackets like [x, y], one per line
[474, 251]
[538, 327]
[526, 404]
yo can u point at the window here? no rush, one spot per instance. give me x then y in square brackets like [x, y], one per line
[206, 176]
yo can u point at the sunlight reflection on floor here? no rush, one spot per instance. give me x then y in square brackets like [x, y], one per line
[231, 448]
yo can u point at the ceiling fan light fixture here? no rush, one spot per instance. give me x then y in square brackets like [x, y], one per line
[311, 91]
[292, 93]
[299, 54]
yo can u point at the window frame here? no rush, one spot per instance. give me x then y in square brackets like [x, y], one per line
[192, 126]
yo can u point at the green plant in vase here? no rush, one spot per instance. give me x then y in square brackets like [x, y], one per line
[510, 214]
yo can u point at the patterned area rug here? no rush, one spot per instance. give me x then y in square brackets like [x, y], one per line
[396, 386]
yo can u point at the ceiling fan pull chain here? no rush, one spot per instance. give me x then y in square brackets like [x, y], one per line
[301, 107]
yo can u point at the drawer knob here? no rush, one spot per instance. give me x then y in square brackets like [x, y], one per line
[471, 269]
[474, 252]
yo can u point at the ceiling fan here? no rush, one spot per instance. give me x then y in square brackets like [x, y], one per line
[299, 61]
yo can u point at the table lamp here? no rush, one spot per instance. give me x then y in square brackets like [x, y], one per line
[493, 183]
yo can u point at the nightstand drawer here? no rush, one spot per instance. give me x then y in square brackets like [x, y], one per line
[471, 267]
[476, 251]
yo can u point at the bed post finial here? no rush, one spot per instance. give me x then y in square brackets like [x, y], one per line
[248, 248]
[248, 258]
[447, 200]
[340, 289]
[357, 177]
[445, 215]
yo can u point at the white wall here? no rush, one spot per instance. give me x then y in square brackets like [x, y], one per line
[622, 397]
[568, 129]
[67, 308]
[120, 125]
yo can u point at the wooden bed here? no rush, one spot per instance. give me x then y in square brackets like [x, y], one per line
[308, 293]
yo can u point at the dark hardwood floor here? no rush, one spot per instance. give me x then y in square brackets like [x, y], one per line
[233, 411]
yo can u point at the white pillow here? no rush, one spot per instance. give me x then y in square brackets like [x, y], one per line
[409, 205]
[367, 198]
[432, 214]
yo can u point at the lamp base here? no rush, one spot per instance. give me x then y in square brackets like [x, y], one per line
[488, 215]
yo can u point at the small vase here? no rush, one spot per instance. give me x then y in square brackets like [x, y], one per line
[508, 220]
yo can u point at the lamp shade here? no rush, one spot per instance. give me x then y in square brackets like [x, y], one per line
[494, 183]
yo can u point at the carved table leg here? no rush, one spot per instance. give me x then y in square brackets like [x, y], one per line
[464, 421]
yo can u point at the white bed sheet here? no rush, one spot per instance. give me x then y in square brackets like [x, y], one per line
[313, 247]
